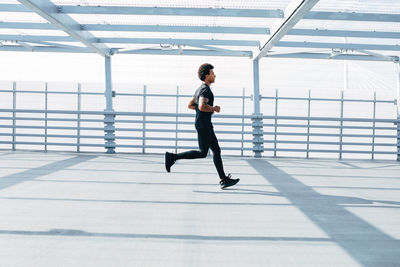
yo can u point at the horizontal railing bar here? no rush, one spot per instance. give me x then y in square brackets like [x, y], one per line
[121, 137]
[179, 131]
[193, 131]
[181, 122]
[190, 123]
[51, 92]
[117, 145]
[116, 93]
[188, 95]
[330, 135]
[119, 113]
[53, 127]
[49, 143]
[121, 121]
[153, 114]
[181, 139]
[55, 135]
[119, 129]
[194, 139]
[52, 119]
[330, 119]
[58, 111]
[174, 96]
[328, 99]
[328, 151]
[181, 147]
[328, 143]
[328, 126]
[193, 147]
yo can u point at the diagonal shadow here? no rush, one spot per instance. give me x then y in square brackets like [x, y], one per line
[148, 201]
[31, 174]
[80, 233]
[364, 242]
[140, 183]
[240, 191]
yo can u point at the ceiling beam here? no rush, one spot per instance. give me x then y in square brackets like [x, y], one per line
[336, 57]
[51, 38]
[339, 46]
[188, 52]
[199, 42]
[203, 29]
[178, 41]
[190, 29]
[36, 38]
[338, 33]
[15, 48]
[318, 15]
[209, 12]
[47, 10]
[353, 16]
[293, 14]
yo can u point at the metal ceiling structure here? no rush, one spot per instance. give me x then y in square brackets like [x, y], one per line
[309, 29]
[351, 29]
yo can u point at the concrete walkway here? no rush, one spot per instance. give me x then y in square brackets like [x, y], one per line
[67, 209]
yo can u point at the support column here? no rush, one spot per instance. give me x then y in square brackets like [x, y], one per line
[257, 118]
[109, 116]
[398, 109]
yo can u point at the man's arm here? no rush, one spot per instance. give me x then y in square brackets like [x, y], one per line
[203, 106]
[191, 104]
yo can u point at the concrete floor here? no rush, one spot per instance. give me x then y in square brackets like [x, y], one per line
[66, 209]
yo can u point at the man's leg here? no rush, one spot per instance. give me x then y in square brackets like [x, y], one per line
[226, 180]
[217, 155]
[203, 138]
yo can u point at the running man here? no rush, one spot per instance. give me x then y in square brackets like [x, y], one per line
[203, 103]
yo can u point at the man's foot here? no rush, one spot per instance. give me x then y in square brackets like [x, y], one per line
[228, 181]
[169, 161]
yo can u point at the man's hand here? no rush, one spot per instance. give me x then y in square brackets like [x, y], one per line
[217, 109]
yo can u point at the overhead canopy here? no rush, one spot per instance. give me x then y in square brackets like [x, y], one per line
[346, 29]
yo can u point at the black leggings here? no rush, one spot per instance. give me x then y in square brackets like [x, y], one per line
[207, 139]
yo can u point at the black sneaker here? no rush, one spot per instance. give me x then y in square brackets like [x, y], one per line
[169, 161]
[227, 181]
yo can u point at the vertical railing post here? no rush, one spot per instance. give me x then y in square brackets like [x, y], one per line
[345, 72]
[243, 109]
[144, 120]
[373, 129]
[176, 119]
[308, 123]
[109, 114]
[257, 117]
[276, 121]
[45, 115]
[341, 125]
[398, 110]
[78, 133]
[14, 114]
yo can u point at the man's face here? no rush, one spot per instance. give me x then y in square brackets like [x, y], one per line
[211, 77]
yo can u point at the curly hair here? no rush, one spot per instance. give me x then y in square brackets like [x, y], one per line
[204, 69]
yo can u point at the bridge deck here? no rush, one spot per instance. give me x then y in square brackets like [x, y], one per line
[68, 209]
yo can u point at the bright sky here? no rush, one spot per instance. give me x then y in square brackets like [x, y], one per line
[232, 73]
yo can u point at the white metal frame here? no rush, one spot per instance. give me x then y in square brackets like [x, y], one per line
[59, 18]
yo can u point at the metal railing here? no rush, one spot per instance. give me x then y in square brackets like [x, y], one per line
[342, 128]
[243, 134]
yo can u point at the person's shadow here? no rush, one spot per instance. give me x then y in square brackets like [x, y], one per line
[340, 200]
[240, 191]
